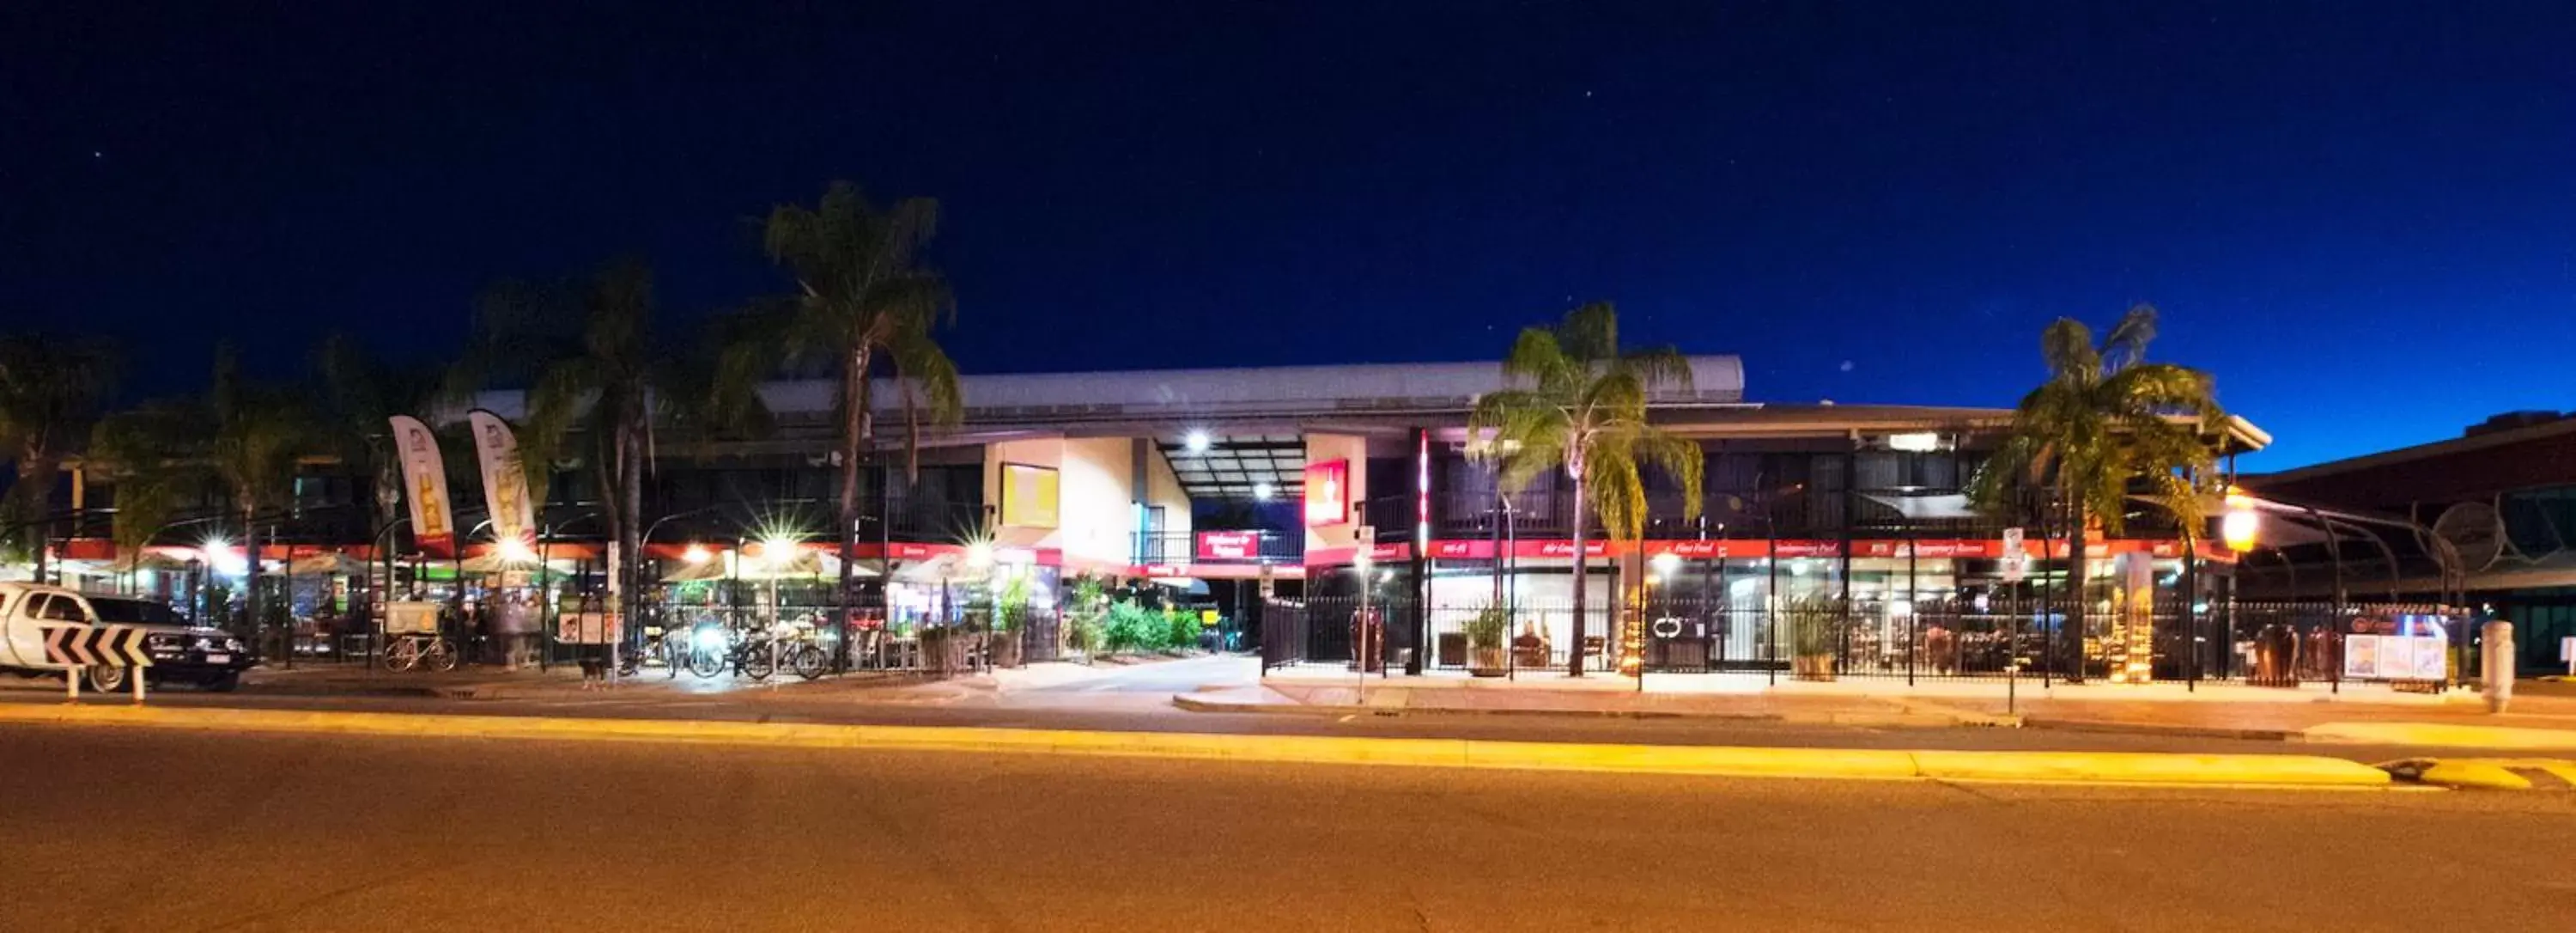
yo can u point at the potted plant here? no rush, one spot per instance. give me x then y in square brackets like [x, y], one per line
[1010, 615]
[1486, 633]
[1812, 631]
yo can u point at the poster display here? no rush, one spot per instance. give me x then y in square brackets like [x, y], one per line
[1029, 496]
[2400, 648]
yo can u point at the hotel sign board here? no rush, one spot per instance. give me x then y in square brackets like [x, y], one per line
[1328, 493]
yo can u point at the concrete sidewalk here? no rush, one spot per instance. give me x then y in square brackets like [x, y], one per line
[896, 687]
[2356, 713]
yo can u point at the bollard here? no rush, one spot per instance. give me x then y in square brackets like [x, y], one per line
[134, 676]
[2495, 668]
[71, 685]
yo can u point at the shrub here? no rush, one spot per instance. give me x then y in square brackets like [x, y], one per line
[1489, 627]
[1181, 628]
[1813, 625]
[1134, 628]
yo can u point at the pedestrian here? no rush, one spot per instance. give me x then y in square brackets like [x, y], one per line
[510, 625]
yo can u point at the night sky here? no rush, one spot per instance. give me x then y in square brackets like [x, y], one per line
[2361, 216]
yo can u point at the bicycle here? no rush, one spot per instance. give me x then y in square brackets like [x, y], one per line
[786, 647]
[658, 646]
[407, 652]
[706, 652]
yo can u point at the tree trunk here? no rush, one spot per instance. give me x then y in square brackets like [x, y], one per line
[855, 422]
[2077, 586]
[1582, 512]
[257, 623]
[37, 495]
[630, 539]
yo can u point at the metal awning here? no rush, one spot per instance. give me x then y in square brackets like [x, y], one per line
[1238, 467]
[1940, 506]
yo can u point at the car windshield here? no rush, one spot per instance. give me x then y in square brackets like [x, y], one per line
[132, 611]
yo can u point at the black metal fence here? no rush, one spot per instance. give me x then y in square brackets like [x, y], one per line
[2281, 644]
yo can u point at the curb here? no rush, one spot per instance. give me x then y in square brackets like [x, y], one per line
[2486, 773]
[1196, 705]
[2130, 768]
[2132, 728]
[1897, 720]
[2444, 735]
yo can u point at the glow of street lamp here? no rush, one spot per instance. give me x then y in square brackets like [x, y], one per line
[1263, 491]
[219, 556]
[515, 551]
[696, 554]
[1196, 441]
[2240, 526]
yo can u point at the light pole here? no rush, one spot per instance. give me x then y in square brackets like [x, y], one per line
[1360, 627]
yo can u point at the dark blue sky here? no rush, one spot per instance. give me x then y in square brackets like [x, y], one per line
[2361, 215]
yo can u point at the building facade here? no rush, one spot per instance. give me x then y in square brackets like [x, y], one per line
[2489, 517]
[1316, 484]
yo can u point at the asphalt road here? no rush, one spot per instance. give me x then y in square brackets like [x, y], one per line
[144, 830]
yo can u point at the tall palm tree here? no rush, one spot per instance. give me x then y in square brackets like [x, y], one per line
[1578, 402]
[51, 391]
[596, 374]
[2105, 425]
[864, 304]
[360, 393]
[243, 438]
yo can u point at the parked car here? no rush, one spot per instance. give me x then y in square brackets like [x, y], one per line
[207, 657]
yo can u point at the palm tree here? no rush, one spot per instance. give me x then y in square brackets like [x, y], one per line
[242, 438]
[596, 373]
[2105, 423]
[1576, 401]
[360, 394]
[51, 390]
[863, 304]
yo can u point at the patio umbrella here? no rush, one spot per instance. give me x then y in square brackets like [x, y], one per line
[327, 564]
[495, 563]
[148, 560]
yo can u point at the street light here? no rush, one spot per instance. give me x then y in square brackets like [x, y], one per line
[2239, 527]
[1196, 441]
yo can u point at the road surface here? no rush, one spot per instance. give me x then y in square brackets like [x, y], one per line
[147, 830]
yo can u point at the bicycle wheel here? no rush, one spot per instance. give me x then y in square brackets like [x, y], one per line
[809, 661]
[706, 662]
[440, 656]
[759, 661]
[402, 656]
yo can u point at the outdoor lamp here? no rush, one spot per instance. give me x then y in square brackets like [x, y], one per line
[979, 554]
[2239, 526]
[777, 551]
[515, 551]
[218, 554]
[696, 554]
[1262, 491]
[1196, 441]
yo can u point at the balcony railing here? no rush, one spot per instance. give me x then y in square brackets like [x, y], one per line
[1548, 513]
[1220, 546]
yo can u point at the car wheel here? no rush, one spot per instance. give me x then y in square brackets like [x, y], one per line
[222, 683]
[106, 679]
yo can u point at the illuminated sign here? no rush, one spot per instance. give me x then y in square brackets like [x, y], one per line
[1328, 495]
[1229, 545]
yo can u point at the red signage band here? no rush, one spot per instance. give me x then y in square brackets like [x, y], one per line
[1229, 545]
